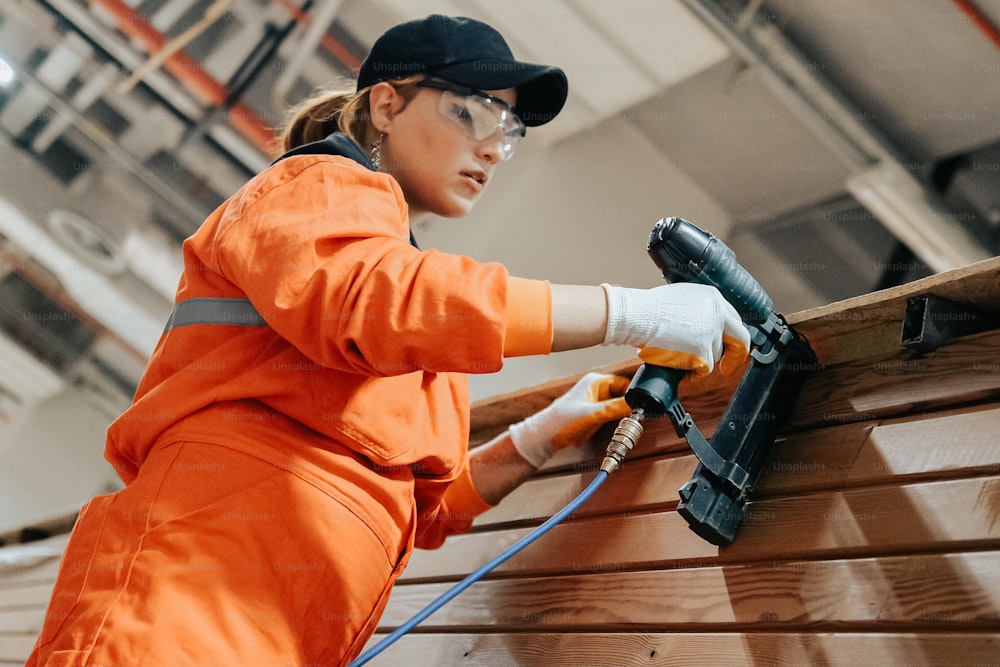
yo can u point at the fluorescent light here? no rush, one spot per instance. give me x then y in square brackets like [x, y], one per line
[6, 73]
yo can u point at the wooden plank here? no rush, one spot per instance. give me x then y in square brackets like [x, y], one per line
[955, 514]
[898, 383]
[914, 593]
[15, 649]
[867, 521]
[638, 485]
[870, 390]
[719, 649]
[858, 391]
[831, 458]
[936, 446]
[871, 324]
[32, 595]
[960, 442]
[22, 621]
[16, 576]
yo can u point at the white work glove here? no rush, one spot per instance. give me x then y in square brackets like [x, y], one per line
[680, 325]
[572, 418]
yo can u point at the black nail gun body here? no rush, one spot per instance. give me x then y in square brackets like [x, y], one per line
[713, 500]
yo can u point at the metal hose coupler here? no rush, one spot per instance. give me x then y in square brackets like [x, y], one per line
[623, 440]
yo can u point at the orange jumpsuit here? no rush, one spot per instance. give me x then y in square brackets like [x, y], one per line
[278, 477]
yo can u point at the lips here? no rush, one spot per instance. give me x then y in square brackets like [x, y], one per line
[479, 178]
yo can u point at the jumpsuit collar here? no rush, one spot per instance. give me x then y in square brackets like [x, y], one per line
[338, 143]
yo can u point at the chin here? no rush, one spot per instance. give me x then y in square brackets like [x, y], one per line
[454, 209]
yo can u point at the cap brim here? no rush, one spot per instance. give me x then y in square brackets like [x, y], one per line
[541, 89]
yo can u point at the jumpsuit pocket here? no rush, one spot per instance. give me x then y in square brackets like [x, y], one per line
[352, 594]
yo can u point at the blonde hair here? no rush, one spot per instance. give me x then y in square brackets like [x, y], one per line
[327, 111]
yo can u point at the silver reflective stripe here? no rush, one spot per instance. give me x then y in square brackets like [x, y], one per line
[209, 310]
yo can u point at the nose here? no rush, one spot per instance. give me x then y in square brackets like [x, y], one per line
[490, 149]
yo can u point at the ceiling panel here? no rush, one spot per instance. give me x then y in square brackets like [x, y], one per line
[664, 39]
[920, 69]
[732, 136]
[614, 54]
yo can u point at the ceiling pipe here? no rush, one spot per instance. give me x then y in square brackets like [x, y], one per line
[246, 73]
[318, 25]
[100, 139]
[189, 72]
[908, 209]
[339, 51]
[212, 14]
[173, 94]
[981, 20]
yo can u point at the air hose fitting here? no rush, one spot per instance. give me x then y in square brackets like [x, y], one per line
[623, 440]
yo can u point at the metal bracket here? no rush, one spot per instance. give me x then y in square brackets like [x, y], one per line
[932, 321]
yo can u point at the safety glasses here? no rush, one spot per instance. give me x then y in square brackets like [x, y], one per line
[480, 115]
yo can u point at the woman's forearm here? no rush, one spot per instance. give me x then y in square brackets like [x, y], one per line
[497, 468]
[579, 316]
[579, 320]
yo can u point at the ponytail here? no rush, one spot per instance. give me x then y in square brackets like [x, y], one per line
[328, 111]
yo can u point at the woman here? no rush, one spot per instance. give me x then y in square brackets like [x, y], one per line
[303, 422]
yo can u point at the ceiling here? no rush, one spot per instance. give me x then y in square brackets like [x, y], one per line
[852, 144]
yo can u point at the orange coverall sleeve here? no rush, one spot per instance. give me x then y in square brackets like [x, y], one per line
[451, 514]
[324, 256]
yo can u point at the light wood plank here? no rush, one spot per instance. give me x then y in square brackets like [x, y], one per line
[720, 649]
[871, 324]
[831, 458]
[941, 445]
[899, 383]
[31, 595]
[953, 515]
[918, 593]
[14, 574]
[15, 649]
[966, 443]
[22, 621]
[639, 484]
[869, 391]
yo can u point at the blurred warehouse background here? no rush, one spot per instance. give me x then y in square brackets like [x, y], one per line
[839, 146]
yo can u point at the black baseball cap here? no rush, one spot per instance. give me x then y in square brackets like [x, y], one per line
[470, 53]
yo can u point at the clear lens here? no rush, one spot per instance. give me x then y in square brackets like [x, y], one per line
[481, 117]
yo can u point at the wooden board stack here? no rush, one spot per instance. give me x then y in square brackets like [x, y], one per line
[873, 537]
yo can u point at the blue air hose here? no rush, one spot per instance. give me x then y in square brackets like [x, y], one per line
[452, 592]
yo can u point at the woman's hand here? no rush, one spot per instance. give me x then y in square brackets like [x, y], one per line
[571, 419]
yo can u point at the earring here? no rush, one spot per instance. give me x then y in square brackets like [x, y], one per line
[376, 152]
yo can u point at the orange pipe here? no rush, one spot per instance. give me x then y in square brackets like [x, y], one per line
[981, 20]
[189, 72]
[333, 46]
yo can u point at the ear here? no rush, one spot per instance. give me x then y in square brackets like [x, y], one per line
[384, 102]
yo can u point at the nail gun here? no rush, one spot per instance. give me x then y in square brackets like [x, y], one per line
[713, 500]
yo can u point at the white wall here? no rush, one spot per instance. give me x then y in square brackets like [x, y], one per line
[53, 461]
